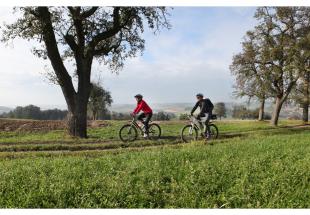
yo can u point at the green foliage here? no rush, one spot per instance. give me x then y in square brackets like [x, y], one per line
[242, 112]
[34, 112]
[162, 116]
[120, 116]
[99, 100]
[183, 116]
[220, 109]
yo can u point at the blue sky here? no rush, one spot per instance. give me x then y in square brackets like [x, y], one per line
[194, 56]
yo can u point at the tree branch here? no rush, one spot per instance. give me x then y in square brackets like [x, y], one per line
[117, 26]
[89, 12]
[77, 21]
[49, 39]
[71, 42]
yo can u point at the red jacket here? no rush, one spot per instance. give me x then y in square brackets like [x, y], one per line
[141, 105]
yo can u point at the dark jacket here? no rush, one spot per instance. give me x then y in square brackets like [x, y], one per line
[205, 107]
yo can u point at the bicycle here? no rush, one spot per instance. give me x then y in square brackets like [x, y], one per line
[190, 131]
[129, 132]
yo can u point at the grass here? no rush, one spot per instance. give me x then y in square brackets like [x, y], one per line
[170, 129]
[252, 165]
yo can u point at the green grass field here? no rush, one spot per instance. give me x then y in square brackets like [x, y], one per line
[251, 165]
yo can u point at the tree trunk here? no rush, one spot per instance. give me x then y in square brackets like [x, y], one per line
[306, 99]
[276, 111]
[305, 113]
[261, 110]
[77, 119]
[94, 115]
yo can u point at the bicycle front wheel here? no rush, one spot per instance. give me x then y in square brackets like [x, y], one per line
[189, 133]
[128, 133]
[154, 131]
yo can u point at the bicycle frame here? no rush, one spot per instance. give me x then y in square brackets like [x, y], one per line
[134, 123]
[194, 122]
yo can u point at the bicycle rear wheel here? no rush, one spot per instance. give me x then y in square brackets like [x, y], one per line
[154, 131]
[128, 133]
[189, 133]
[214, 131]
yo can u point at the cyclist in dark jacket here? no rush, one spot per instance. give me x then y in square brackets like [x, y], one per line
[206, 108]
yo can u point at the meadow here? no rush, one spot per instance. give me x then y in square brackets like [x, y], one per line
[251, 165]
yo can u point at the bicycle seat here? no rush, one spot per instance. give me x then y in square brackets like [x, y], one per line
[145, 118]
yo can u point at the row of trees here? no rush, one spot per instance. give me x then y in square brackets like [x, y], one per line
[274, 63]
[219, 109]
[160, 116]
[242, 112]
[99, 101]
[34, 112]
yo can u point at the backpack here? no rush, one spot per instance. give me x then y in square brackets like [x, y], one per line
[210, 105]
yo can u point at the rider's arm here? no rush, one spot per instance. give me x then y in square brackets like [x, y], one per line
[194, 108]
[138, 108]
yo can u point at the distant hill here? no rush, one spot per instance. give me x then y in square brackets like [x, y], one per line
[5, 109]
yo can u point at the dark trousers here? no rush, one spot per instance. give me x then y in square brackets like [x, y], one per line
[146, 121]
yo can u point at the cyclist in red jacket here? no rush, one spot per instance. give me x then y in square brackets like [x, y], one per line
[147, 113]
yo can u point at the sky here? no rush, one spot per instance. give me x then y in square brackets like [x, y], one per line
[192, 57]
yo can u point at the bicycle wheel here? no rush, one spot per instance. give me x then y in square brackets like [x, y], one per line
[154, 131]
[189, 133]
[128, 133]
[214, 131]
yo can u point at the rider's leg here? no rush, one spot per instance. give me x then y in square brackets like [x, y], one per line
[207, 122]
[200, 118]
[146, 122]
[140, 117]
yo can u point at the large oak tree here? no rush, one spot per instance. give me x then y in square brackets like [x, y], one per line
[301, 93]
[82, 35]
[280, 29]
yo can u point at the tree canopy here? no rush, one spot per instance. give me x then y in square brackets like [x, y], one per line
[274, 55]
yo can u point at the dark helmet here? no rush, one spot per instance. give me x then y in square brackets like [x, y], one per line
[199, 95]
[139, 96]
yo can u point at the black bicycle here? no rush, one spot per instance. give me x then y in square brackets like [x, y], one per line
[190, 132]
[129, 132]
